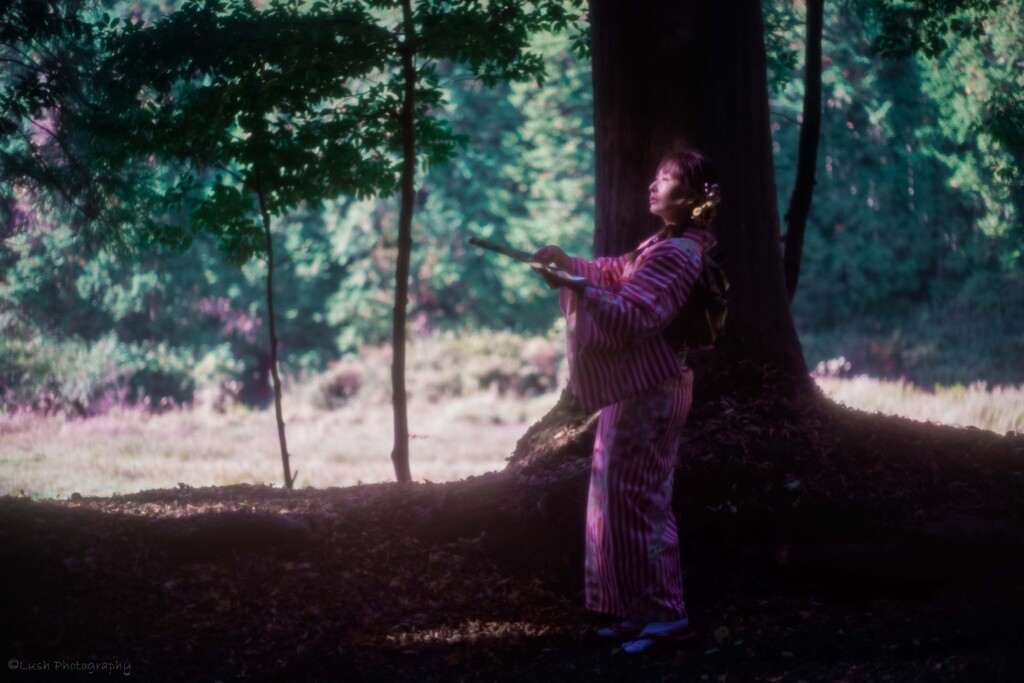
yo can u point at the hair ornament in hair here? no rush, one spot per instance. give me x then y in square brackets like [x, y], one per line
[711, 199]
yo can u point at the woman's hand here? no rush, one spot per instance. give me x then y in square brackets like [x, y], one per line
[552, 280]
[553, 255]
[557, 278]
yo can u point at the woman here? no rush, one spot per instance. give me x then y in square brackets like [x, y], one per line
[617, 310]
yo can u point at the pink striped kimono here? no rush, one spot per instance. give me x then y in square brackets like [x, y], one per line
[621, 362]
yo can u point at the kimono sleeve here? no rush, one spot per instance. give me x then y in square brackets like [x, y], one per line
[605, 271]
[646, 303]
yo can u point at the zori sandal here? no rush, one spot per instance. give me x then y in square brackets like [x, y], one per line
[647, 641]
[626, 630]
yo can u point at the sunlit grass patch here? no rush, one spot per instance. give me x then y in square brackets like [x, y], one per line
[132, 450]
[469, 632]
[998, 409]
[470, 399]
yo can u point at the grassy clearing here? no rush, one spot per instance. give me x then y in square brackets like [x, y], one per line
[131, 451]
[471, 400]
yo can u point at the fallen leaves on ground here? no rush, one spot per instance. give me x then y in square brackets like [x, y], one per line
[365, 597]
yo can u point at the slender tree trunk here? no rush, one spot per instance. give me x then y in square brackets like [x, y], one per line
[400, 452]
[695, 69]
[807, 158]
[256, 388]
[289, 477]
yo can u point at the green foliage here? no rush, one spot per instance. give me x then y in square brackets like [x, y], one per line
[978, 88]
[525, 177]
[244, 106]
[783, 41]
[215, 106]
[200, 306]
[45, 49]
[911, 263]
[289, 104]
[455, 364]
[451, 364]
[74, 377]
[911, 231]
[555, 152]
[902, 29]
[970, 50]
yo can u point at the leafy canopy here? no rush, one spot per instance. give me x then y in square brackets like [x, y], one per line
[294, 103]
[45, 51]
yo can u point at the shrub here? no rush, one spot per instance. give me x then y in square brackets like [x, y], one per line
[76, 377]
[454, 364]
[336, 386]
[447, 365]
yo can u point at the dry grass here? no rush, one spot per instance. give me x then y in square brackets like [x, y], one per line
[998, 409]
[132, 451]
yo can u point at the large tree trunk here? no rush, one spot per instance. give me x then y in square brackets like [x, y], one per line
[665, 70]
[669, 69]
[643, 100]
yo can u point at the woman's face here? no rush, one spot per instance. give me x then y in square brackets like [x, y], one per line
[669, 198]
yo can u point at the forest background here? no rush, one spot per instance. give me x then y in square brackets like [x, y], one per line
[911, 266]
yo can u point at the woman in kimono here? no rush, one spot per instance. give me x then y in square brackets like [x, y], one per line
[617, 309]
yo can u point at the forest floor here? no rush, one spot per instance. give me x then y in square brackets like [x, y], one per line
[256, 583]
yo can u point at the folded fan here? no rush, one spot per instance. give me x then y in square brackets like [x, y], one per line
[526, 257]
[505, 251]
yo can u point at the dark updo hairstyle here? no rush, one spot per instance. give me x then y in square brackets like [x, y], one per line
[698, 172]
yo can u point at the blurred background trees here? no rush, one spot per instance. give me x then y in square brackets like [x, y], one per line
[911, 266]
[913, 254]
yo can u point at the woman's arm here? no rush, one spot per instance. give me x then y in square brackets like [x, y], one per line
[646, 304]
[604, 272]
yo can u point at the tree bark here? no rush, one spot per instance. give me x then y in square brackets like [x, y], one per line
[670, 69]
[642, 103]
[807, 156]
[400, 452]
[289, 477]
